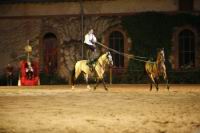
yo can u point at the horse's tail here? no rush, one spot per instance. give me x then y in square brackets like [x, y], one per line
[73, 77]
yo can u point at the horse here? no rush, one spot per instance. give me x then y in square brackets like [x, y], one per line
[99, 69]
[157, 69]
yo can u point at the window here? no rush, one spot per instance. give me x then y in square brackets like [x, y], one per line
[185, 5]
[186, 49]
[116, 41]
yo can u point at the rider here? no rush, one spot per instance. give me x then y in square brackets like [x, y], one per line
[90, 41]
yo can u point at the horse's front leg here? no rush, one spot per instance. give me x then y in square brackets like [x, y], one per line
[157, 81]
[154, 82]
[166, 80]
[104, 84]
[167, 84]
[102, 79]
[150, 85]
[97, 84]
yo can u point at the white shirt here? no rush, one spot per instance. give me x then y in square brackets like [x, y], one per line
[90, 39]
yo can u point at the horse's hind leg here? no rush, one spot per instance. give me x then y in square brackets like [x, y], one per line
[75, 74]
[150, 80]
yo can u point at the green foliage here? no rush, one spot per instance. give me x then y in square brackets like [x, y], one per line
[148, 31]
[186, 76]
[152, 30]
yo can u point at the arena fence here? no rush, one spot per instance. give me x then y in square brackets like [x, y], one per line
[140, 76]
[119, 76]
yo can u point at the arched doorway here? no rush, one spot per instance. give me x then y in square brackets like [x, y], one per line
[50, 53]
[116, 41]
[186, 49]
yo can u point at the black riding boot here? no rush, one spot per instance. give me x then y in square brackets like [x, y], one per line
[90, 63]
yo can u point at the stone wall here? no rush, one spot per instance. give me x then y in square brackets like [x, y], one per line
[90, 7]
[68, 30]
[16, 31]
[14, 34]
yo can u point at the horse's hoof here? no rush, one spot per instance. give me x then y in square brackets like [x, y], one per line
[88, 87]
[106, 89]
[72, 87]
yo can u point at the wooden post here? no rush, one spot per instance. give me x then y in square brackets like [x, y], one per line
[69, 80]
[110, 75]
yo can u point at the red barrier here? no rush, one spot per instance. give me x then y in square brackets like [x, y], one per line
[24, 80]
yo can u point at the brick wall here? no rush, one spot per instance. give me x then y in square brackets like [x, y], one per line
[90, 7]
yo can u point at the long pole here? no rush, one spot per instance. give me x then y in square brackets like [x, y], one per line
[82, 24]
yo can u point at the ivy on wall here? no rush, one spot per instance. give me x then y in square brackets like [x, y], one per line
[152, 30]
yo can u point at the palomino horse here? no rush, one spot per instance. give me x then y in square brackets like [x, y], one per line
[99, 69]
[157, 69]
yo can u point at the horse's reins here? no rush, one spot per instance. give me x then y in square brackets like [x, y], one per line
[129, 56]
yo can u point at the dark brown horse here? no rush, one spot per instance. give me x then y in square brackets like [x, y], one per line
[157, 69]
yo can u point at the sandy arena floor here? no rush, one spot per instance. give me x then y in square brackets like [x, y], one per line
[124, 109]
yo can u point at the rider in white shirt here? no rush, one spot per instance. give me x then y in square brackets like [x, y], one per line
[90, 38]
[90, 41]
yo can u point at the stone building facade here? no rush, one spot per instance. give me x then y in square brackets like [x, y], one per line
[56, 28]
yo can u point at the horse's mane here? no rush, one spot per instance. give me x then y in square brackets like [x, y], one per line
[96, 59]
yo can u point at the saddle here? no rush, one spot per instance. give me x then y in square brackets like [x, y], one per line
[92, 63]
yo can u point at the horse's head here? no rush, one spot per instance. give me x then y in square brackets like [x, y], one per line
[161, 55]
[108, 59]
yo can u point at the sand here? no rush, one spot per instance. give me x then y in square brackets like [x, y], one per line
[123, 109]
